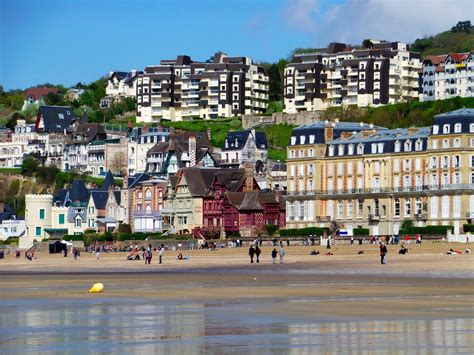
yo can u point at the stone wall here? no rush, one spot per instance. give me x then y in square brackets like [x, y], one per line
[295, 119]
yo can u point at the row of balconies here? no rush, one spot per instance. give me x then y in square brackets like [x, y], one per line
[376, 190]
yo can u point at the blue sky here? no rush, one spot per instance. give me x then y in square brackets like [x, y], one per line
[66, 41]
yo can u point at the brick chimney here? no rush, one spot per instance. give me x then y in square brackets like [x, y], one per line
[192, 150]
[248, 176]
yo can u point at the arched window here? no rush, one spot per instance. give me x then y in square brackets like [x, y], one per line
[147, 209]
[457, 128]
[148, 194]
[446, 129]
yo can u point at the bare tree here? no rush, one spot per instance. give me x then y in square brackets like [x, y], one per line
[118, 163]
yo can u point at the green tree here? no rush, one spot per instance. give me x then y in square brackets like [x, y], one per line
[29, 166]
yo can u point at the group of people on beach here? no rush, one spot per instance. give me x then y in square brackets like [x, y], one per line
[255, 251]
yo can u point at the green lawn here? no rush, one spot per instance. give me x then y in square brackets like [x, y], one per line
[10, 170]
[277, 154]
[219, 127]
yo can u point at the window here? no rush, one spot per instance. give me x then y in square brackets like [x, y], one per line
[340, 209]
[350, 208]
[302, 139]
[456, 161]
[61, 218]
[374, 148]
[61, 116]
[360, 208]
[38, 231]
[396, 207]
[41, 213]
[407, 207]
[418, 206]
[311, 139]
[350, 149]
[446, 129]
[457, 128]
[434, 162]
[293, 140]
[340, 150]
[471, 128]
[331, 150]
[445, 162]
[457, 143]
[407, 146]
[360, 149]
[436, 129]
[419, 145]
[445, 143]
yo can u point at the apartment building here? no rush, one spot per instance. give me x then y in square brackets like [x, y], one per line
[182, 89]
[377, 178]
[446, 76]
[339, 75]
[140, 141]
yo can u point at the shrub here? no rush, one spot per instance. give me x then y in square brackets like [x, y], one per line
[271, 229]
[125, 228]
[430, 230]
[303, 232]
[361, 231]
[468, 228]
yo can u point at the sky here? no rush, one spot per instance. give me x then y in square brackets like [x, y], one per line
[70, 41]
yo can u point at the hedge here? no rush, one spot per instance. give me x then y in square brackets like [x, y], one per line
[303, 232]
[468, 228]
[361, 231]
[271, 229]
[430, 230]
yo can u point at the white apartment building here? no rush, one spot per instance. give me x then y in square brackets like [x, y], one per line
[140, 141]
[447, 76]
[183, 89]
[386, 73]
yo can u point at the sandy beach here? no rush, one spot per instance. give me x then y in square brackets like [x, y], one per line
[422, 288]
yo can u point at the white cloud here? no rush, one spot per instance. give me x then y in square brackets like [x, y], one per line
[301, 14]
[354, 20]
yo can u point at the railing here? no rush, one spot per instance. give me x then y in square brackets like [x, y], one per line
[230, 161]
[374, 217]
[375, 190]
[141, 213]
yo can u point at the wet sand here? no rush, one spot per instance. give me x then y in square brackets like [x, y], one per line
[217, 302]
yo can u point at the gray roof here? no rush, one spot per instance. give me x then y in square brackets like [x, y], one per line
[384, 135]
[56, 118]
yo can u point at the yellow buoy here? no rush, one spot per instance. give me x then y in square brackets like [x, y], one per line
[97, 288]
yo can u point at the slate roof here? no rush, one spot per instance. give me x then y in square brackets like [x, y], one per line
[464, 116]
[137, 178]
[237, 139]
[317, 129]
[91, 131]
[118, 196]
[99, 198]
[199, 179]
[55, 118]
[252, 200]
[231, 179]
[109, 181]
[7, 213]
[78, 192]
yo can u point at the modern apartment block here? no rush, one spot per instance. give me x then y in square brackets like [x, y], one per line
[181, 89]
[446, 76]
[377, 178]
[340, 75]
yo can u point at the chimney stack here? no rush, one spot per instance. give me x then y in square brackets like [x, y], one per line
[192, 151]
[248, 177]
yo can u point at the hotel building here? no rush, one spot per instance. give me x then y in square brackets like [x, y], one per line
[182, 89]
[338, 75]
[377, 178]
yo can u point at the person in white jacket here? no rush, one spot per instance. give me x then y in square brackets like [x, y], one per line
[282, 254]
[160, 253]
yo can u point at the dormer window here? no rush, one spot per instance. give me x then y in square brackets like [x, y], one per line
[397, 146]
[350, 149]
[302, 139]
[471, 128]
[340, 150]
[236, 143]
[380, 145]
[374, 148]
[408, 146]
[61, 116]
[360, 149]
[293, 140]
[419, 145]
[457, 128]
[446, 129]
[435, 129]
[331, 150]
[311, 139]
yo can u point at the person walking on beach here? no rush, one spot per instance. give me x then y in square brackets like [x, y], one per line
[251, 253]
[258, 251]
[383, 253]
[274, 255]
[328, 245]
[282, 254]
[97, 253]
[160, 254]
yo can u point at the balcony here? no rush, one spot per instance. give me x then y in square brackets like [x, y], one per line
[423, 216]
[374, 217]
[150, 214]
[323, 219]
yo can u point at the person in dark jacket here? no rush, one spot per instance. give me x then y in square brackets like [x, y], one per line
[383, 253]
[274, 255]
[251, 253]
[258, 251]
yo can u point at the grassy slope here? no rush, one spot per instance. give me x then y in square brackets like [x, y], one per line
[444, 42]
